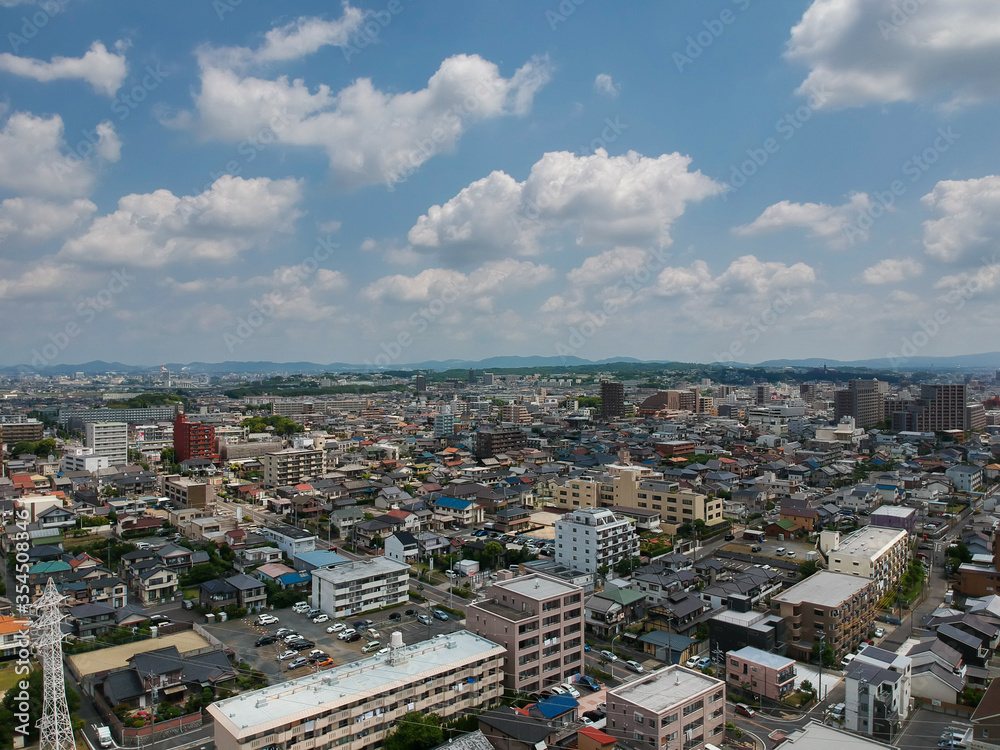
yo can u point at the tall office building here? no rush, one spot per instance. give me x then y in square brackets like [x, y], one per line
[421, 383]
[612, 399]
[863, 400]
[108, 439]
[472, 376]
[194, 440]
[488, 378]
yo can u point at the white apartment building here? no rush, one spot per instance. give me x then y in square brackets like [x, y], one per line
[291, 466]
[108, 439]
[444, 423]
[83, 459]
[875, 552]
[877, 700]
[356, 587]
[591, 538]
[290, 539]
[355, 706]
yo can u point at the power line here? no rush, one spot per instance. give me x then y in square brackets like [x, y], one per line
[55, 730]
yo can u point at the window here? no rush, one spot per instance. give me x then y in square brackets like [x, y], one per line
[638, 719]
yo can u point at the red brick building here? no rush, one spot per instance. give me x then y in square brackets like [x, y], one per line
[194, 440]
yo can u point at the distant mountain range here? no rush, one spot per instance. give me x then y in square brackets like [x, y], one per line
[988, 360]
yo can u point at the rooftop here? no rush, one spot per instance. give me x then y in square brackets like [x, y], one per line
[352, 571]
[765, 658]
[869, 541]
[899, 511]
[817, 736]
[273, 706]
[824, 588]
[538, 586]
[665, 688]
[291, 532]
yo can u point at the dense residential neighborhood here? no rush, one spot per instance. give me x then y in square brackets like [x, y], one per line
[612, 555]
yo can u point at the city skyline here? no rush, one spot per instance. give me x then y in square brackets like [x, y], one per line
[386, 183]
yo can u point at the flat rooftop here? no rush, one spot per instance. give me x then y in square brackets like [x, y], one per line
[352, 571]
[291, 532]
[869, 541]
[823, 588]
[285, 702]
[537, 586]
[765, 658]
[666, 687]
[104, 659]
[502, 610]
[898, 511]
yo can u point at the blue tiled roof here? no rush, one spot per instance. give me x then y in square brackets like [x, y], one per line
[453, 502]
[556, 705]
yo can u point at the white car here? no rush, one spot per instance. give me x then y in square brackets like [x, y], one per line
[321, 619]
[345, 634]
[692, 662]
[607, 655]
[336, 627]
[300, 607]
[267, 619]
[287, 655]
[880, 632]
[570, 689]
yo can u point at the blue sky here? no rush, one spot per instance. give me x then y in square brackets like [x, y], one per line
[391, 182]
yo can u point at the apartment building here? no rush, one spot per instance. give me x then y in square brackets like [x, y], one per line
[108, 439]
[16, 427]
[592, 539]
[640, 488]
[877, 699]
[539, 620]
[940, 407]
[74, 419]
[357, 705]
[188, 491]
[194, 440]
[673, 707]
[494, 439]
[612, 399]
[83, 459]
[291, 466]
[760, 673]
[291, 540]
[356, 587]
[515, 414]
[874, 552]
[864, 400]
[839, 608]
[966, 478]
[444, 423]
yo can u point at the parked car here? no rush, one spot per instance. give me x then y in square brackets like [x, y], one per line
[325, 662]
[590, 683]
[554, 690]
[441, 615]
[345, 634]
[570, 689]
[395, 616]
[300, 607]
[634, 666]
[704, 662]
[296, 663]
[692, 662]
[321, 618]
[594, 715]
[266, 640]
[287, 655]
[292, 636]
[756, 548]
[730, 537]
[608, 655]
[266, 619]
[410, 613]
[336, 627]
[314, 613]
[373, 634]
[880, 632]
[315, 654]
[301, 645]
[371, 647]
[846, 660]
[790, 553]
[353, 637]
[744, 709]
[282, 632]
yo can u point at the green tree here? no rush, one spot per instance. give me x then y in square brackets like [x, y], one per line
[168, 456]
[8, 722]
[807, 568]
[415, 731]
[493, 552]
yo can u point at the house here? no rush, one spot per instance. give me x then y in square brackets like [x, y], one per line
[509, 729]
[56, 517]
[609, 612]
[668, 647]
[512, 519]
[154, 583]
[216, 594]
[251, 593]
[986, 720]
[463, 512]
[402, 547]
[250, 558]
[179, 559]
[92, 620]
[283, 576]
[760, 673]
[164, 674]
[13, 635]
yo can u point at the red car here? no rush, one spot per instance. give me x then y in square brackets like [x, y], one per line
[744, 709]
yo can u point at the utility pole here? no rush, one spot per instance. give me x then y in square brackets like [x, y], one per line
[822, 636]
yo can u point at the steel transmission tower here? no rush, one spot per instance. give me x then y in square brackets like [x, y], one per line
[55, 731]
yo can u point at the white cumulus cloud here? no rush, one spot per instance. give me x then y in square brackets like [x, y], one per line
[154, 229]
[744, 276]
[837, 226]
[969, 217]
[891, 271]
[35, 158]
[624, 200]
[102, 69]
[35, 220]
[370, 136]
[605, 84]
[455, 286]
[878, 51]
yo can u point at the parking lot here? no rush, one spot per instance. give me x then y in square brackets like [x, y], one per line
[923, 730]
[770, 548]
[240, 635]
